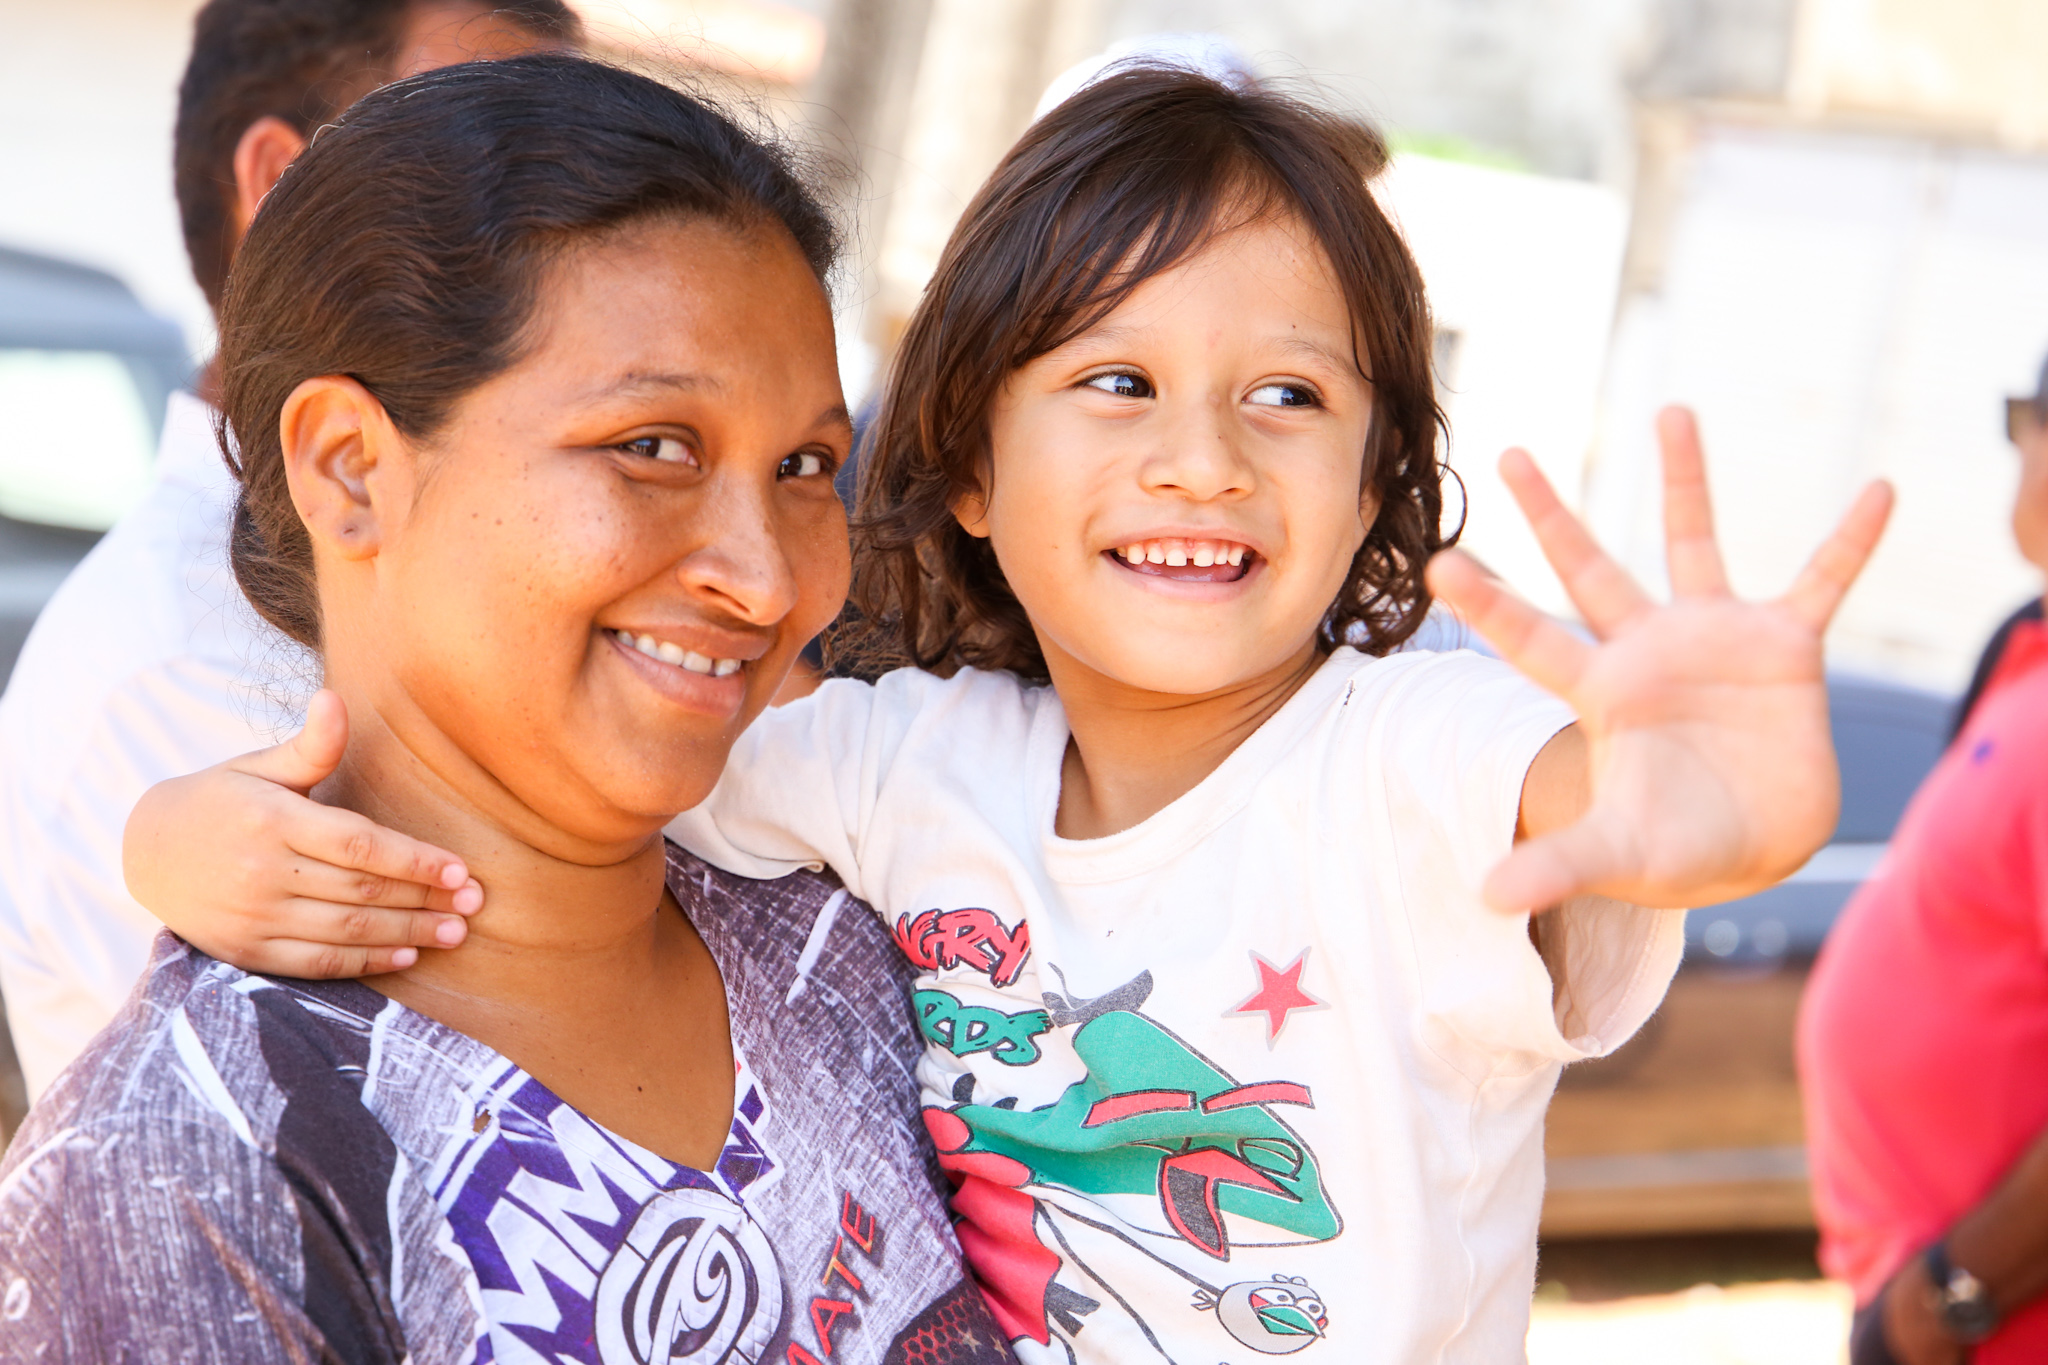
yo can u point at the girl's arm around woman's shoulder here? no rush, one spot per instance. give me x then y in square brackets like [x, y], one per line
[239, 861]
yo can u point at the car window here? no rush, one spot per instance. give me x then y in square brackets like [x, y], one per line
[77, 442]
[1888, 738]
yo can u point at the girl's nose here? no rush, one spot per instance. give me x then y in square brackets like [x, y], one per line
[1200, 455]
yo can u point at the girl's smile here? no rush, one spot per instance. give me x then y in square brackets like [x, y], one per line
[1188, 559]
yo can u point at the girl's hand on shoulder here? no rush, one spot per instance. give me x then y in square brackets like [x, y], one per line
[238, 861]
[1705, 769]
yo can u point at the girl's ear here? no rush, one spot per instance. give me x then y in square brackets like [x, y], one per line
[1368, 509]
[971, 511]
[340, 455]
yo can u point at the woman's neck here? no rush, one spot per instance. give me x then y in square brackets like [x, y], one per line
[559, 913]
[579, 968]
[1133, 752]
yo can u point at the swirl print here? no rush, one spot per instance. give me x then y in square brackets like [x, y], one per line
[695, 1281]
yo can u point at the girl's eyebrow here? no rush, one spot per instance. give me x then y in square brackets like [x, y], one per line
[1313, 350]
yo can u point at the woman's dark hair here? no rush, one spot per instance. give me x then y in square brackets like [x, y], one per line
[404, 249]
[1122, 182]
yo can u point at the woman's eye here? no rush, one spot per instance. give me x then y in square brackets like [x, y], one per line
[802, 465]
[1283, 396]
[1122, 385]
[664, 448]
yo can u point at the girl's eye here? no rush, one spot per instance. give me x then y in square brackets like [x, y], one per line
[1283, 396]
[802, 465]
[1122, 385]
[664, 448]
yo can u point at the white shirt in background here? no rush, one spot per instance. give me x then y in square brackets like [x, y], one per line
[1261, 1075]
[147, 663]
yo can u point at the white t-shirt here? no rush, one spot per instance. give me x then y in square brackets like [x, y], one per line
[1258, 1076]
[147, 663]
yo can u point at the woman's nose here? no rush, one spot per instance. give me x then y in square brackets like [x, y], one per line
[741, 567]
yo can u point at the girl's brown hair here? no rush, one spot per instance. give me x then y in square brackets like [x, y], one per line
[1118, 184]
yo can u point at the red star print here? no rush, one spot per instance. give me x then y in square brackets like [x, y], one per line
[1279, 994]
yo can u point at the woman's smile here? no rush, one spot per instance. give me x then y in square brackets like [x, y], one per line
[694, 681]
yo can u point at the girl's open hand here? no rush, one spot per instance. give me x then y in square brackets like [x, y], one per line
[1709, 763]
[241, 863]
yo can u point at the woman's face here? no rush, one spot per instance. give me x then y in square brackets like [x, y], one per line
[584, 588]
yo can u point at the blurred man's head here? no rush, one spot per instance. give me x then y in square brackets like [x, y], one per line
[2026, 421]
[265, 74]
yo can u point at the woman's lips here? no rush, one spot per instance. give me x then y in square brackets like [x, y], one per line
[711, 693]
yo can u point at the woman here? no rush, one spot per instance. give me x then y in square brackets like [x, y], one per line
[532, 371]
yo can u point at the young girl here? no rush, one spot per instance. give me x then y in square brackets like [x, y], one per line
[1227, 1055]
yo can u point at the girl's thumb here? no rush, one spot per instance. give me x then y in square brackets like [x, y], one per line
[310, 756]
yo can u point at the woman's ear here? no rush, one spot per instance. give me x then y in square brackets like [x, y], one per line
[340, 452]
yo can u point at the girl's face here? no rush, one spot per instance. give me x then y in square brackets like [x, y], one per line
[580, 592]
[1176, 495]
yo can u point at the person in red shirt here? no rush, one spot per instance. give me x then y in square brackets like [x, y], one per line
[1923, 1040]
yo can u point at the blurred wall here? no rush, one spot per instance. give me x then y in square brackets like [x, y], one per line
[88, 91]
[88, 95]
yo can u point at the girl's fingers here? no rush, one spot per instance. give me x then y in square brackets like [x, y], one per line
[1827, 577]
[365, 926]
[1603, 591]
[322, 881]
[326, 961]
[1691, 551]
[350, 841]
[1534, 643]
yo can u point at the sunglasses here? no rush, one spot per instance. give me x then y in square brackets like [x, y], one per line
[2023, 415]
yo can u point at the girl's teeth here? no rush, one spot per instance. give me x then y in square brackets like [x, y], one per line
[1177, 553]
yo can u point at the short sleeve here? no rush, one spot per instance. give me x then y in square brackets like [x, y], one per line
[90, 1216]
[1454, 742]
[799, 785]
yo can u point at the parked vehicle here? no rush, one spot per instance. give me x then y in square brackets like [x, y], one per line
[1695, 1124]
[85, 371]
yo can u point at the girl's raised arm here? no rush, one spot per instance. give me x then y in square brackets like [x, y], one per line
[238, 861]
[1702, 767]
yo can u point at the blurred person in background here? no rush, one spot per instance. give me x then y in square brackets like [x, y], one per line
[148, 663]
[1923, 1039]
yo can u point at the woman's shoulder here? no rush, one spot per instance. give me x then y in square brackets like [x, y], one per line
[220, 1122]
[201, 1043]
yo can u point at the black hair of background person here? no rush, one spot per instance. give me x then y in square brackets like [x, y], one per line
[1987, 663]
[422, 292]
[300, 61]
